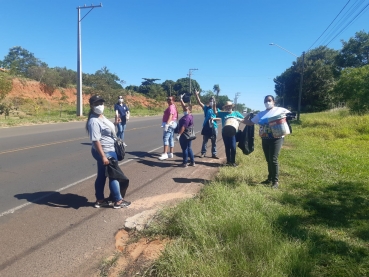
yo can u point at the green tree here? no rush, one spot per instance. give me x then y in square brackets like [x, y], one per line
[320, 76]
[19, 60]
[354, 52]
[216, 90]
[353, 88]
[157, 92]
[51, 79]
[6, 85]
[146, 84]
[168, 86]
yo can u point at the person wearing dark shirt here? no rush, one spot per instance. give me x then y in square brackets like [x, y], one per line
[121, 117]
[184, 125]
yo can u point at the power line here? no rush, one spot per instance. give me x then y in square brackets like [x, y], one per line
[329, 24]
[345, 17]
[348, 24]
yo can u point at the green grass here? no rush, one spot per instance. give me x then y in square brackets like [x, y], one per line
[316, 224]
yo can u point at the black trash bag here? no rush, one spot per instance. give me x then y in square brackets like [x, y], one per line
[113, 171]
[246, 139]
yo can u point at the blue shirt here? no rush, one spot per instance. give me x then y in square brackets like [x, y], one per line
[225, 115]
[209, 113]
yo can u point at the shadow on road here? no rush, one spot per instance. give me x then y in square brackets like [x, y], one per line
[190, 180]
[56, 199]
[86, 143]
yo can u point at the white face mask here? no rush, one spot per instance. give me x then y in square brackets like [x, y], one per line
[120, 100]
[268, 105]
[211, 103]
[99, 109]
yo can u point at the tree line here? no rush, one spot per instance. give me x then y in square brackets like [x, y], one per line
[330, 77]
[20, 62]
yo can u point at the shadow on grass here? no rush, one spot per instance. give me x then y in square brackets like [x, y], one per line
[56, 199]
[336, 225]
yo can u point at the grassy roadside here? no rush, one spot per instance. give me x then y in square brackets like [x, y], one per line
[316, 224]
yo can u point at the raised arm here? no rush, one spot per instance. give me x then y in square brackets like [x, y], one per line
[182, 103]
[197, 94]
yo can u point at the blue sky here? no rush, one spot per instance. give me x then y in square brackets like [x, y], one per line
[227, 41]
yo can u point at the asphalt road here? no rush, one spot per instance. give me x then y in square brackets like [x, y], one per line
[48, 225]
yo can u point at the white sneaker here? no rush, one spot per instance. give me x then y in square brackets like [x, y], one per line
[170, 155]
[163, 156]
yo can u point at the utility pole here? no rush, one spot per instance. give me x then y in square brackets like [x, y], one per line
[189, 75]
[235, 98]
[79, 58]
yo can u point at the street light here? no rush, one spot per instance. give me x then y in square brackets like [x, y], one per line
[189, 75]
[301, 79]
[79, 59]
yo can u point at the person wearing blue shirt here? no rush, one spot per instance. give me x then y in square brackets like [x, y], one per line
[121, 117]
[229, 141]
[210, 126]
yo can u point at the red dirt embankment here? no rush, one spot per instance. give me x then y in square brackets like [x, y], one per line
[29, 89]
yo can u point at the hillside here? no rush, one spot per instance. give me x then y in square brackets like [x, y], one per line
[30, 89]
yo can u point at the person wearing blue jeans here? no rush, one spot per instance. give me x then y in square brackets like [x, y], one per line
[209, 114]
[101, 178]
[101, 132]
[185, 126]
[121, 117]
[229, 141]
[230, 149]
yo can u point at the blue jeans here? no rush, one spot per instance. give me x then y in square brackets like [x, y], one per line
[230, 148]
[205, 139]
[186, 149]
[121, 128]
[168, 136]
[101, 178]
[271, 148]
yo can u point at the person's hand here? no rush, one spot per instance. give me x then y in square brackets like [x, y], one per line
[177, 137]
[166, 126]
[197, 92]
[105, 160]
[182, 95]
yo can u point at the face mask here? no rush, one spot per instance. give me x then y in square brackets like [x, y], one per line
[228, 109]
[185, 113]
[99, 109]
[120, 100]
[211, 103]
[268, 105]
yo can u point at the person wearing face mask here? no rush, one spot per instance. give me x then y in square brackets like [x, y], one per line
[209, 132]
[271, 145]
[184, 124]
[229, 141]
[101, 132]
[169, 123]
[121, 117]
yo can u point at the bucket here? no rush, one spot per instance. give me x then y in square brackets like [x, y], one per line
[231, 127]
[278, 125]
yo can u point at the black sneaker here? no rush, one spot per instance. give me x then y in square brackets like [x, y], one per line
[192, 164]
[266, 182]
[275, 185]
[215, 157]
[234, 164]
[122, 204]
[99, 204]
